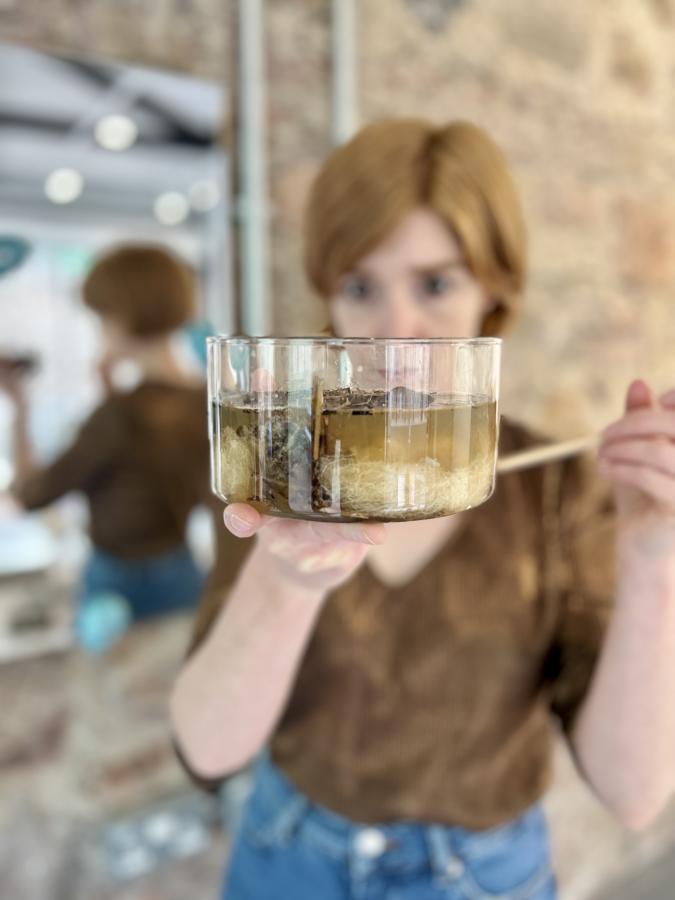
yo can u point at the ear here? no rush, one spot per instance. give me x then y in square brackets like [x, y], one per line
[494, 318]
[490, 303]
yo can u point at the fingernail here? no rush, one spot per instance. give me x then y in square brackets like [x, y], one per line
[238, 523]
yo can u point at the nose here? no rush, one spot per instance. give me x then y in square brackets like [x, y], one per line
[401, 320]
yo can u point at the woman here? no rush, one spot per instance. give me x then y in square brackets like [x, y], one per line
[407, 676]
[141, 458]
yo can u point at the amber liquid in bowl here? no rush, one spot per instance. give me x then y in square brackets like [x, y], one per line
[345, 455]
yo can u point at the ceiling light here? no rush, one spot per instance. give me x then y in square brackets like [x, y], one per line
[171, 208]
[64, 185]
[115, 132]
[204, 195]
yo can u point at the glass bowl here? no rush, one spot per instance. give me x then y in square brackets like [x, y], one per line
[354, 429]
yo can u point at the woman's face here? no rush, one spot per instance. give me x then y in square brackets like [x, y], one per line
[414, 284]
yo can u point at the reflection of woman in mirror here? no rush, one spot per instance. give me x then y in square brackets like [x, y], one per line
[407, 678]
[141, 458]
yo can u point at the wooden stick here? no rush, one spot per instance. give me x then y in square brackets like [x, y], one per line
[317, 418]
[524, 459]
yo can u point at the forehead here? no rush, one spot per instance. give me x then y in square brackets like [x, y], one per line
[422, 239]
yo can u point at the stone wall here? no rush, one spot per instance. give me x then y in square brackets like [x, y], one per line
[184, 35]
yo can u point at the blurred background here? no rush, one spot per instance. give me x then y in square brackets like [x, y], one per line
[198, 125]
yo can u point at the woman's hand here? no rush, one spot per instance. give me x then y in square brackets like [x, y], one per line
[314, 555]
[637, 455]
[12, 381]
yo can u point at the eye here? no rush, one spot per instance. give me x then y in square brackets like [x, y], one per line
[357, 287]
[433, 285]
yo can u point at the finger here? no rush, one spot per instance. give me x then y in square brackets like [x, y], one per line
[668, 399]
[638, 395]
[641, 423]
[325, 532]
[363, 533]
[657, 485]
[243, 520]
[331, 556]
[660, 455]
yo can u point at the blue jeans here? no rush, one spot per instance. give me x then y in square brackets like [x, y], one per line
[152, 585]
[287, 848]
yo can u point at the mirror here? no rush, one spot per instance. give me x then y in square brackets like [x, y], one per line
[95, 155]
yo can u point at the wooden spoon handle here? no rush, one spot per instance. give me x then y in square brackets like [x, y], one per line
[524, 459]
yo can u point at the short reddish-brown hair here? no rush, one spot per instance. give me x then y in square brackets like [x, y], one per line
[144, 288]
[367, 187]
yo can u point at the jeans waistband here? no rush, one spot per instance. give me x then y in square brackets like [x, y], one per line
[283, 811]
[178, 553]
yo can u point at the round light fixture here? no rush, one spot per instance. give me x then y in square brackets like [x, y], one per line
[171, 208]
[204, 195]
[116, 132]
[64, 185]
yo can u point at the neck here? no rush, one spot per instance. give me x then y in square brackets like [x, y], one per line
[157, 361]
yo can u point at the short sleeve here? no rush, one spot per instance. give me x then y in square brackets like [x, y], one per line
[583, 579]
[78, 467]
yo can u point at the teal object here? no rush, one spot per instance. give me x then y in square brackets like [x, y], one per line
[101, 621]
[72, 259]
[197, 333]
[13, 252]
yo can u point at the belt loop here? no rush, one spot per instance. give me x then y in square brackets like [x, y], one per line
[440, 851]
[288, 804]
[282, 829]
[445, 863]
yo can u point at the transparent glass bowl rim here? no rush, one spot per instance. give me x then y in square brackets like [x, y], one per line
[235, 339]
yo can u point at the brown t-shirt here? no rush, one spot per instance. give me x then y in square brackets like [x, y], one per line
[435, 701]
[142, 461]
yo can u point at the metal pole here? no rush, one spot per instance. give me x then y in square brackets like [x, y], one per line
[252, 207]
[219, 296]
[344, 104]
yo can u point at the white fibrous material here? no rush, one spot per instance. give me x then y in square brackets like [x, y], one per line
[382, 489]
[236, 466]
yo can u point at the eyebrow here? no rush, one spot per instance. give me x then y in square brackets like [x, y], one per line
[439, 266]
[443, 265]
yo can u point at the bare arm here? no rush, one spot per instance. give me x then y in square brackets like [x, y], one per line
[624, 737]
[231, 692]
[12, 382]
[22, 450]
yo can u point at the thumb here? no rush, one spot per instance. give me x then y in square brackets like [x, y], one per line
[639, 395]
